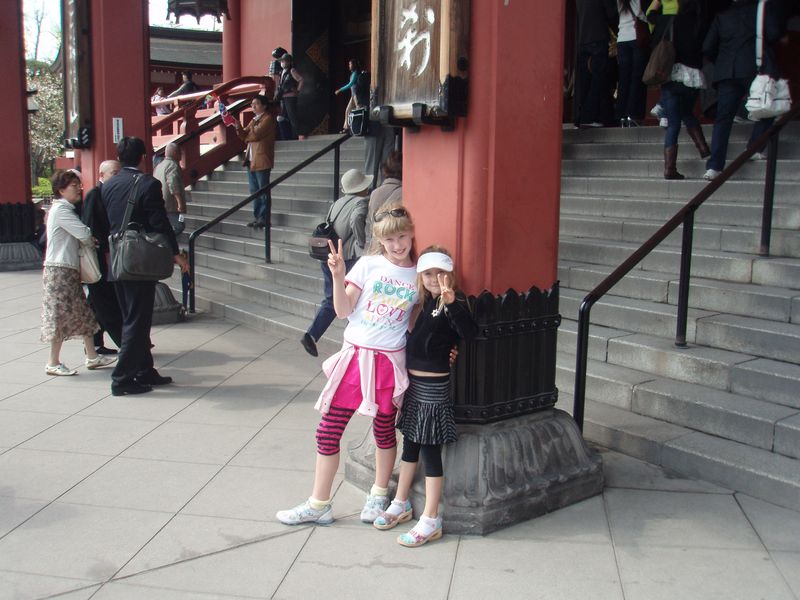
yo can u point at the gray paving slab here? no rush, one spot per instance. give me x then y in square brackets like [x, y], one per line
[697, 573]
[30, 586]
[778, 528]
[172, 495]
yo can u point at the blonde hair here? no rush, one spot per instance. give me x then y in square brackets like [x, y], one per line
[390, 225]
[424, 294]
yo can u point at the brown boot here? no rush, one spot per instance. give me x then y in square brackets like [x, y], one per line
[670, 157]
[699, 141]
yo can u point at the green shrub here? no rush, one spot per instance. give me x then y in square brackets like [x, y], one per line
[42, 188]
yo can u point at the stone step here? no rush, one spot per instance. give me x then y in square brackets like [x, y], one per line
[676, 190]
[738, 213]
[709, 264]
[690, 165]
[767, 339]
[239, 229]
[767, 379]
[297, 219]
[261, 318]
[280, 201]
[728, 238]
[599, 337]
[704, 365]
[694, 406]
[737, 466]
[729, 416]
[240, 190]
[788, 150]
[632, 315]
[609, 384]
[733, 465]
[740, 133]
[765, 302]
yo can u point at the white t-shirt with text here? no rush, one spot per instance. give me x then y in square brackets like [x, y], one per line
[388, 293]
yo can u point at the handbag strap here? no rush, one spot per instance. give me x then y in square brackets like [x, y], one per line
[759, 34]
[329, 219]
[131, 200]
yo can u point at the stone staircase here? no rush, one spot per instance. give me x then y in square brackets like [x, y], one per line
[726, 409]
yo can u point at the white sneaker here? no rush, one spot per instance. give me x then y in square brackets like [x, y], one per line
[101, 360]
[657, 111]
[663, 122]
[373, 507]
[758, 156]
[711, 174]
[60, 370]
[303, 513]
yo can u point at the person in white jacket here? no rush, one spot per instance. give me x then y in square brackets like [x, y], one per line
[65, 311]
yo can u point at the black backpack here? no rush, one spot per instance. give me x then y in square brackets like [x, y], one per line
[363, 82]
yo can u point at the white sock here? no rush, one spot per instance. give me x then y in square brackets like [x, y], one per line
[378, 491]
[396, 507]
[426, 525]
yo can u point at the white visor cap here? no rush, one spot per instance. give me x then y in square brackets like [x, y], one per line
[435, 260]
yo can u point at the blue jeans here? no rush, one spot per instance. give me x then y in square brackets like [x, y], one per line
[257, 180]
[632, 61]
[326, 313]
[678, 102]
[729, 98]
[592, 82]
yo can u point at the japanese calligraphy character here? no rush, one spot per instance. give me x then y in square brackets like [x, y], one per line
[413, 37]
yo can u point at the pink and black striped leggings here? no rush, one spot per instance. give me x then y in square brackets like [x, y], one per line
[332, 425]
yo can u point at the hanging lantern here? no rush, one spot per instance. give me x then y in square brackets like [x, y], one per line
[198, 8]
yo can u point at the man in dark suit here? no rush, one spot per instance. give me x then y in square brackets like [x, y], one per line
[134, 373]
[102, 296]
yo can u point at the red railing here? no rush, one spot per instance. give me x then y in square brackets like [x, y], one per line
[205, 142]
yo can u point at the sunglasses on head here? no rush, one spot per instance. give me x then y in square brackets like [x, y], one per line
[395, 212]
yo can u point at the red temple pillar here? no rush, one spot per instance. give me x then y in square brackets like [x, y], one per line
[14, 151]
[120, 80]
[489, 191]
[232, 43]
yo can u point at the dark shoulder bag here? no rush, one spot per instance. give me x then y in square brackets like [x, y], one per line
[135, 254]
[659, 67]
[318, 242]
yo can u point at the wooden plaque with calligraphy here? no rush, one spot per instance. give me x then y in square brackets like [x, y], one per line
[419, 61]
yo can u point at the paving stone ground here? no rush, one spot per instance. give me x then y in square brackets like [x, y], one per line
[172, 495]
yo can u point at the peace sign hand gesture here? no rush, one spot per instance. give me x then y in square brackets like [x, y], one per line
[448, 295]
[336, 260]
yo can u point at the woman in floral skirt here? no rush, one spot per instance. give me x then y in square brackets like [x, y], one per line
[65, 312]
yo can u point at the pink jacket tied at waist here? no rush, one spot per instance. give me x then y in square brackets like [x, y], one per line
[335, 367]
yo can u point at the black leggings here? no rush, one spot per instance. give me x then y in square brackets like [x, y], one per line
[431, 457]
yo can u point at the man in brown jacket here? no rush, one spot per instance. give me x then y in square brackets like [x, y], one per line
[259, 135]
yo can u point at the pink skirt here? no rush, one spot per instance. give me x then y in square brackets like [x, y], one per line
[348, 394]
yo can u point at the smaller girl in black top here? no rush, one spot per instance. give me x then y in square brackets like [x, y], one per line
[426, 418]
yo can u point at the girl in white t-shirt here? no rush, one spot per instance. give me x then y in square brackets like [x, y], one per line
[368, 375]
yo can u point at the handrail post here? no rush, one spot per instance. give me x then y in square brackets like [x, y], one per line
[769, 194]
[191, 273]
[683, 288]
[268, 228]
[336, 154]
[581, 353]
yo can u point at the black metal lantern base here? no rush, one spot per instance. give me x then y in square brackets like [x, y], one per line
[502, 473]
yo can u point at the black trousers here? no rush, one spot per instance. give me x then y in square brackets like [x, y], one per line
[136, 303]
[104, 303]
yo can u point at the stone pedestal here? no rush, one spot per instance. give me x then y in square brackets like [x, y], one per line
[19, 256]
[501, 473]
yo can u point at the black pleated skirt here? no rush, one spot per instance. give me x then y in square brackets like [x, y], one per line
[427, 415]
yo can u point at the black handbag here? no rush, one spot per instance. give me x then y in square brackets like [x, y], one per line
[358, 121]
[137, 255]
[324, 232]
[659, 67]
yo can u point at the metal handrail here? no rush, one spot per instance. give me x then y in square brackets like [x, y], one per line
[684, 216]
[334, 145]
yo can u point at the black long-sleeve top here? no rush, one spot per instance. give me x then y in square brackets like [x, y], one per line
[429, 343]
